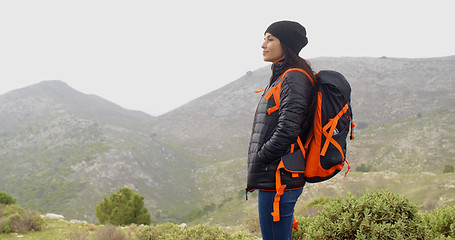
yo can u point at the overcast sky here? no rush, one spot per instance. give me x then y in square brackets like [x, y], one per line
[154, 56]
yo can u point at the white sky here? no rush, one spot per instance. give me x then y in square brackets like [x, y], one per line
[155, 56]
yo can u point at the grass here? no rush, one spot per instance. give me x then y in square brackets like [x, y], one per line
[63, 230]
[56, 229]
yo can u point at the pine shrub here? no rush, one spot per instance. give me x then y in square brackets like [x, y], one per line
[122, 208]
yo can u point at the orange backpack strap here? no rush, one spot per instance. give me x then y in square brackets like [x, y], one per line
[260, 90]
[276, 202]
[275, 91]
[329, 136]
[279, 191]
[302, 148]
[352, 127]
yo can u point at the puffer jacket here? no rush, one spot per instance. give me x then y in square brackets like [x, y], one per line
[273, 134]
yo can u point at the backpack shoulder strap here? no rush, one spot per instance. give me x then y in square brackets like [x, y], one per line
[275, 91]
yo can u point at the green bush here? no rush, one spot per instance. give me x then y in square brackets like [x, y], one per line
[122, 208]
[363, 168]
[157, 232]
[448, 169]
[440, 223]
[6, 199]
[26, 222]
[7, 212]
[304, 222]
[13, 218]
[377, 215]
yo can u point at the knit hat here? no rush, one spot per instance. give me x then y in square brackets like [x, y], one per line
[292, 34]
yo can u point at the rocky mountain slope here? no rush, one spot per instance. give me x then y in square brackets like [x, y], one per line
[62, 151]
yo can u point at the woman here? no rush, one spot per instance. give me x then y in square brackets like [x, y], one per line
[274, 133]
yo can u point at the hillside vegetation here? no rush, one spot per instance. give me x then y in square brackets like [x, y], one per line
[378, 214]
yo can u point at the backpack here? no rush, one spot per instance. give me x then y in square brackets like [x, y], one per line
[322, 155]
[326, 152]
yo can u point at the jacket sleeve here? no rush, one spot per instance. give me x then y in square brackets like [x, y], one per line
[295, 97]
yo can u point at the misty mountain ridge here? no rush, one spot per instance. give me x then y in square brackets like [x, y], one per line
[81, 147]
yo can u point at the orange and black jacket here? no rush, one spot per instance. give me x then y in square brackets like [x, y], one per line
[273, 134]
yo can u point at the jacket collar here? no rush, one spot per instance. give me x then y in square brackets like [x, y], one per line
[278, 69]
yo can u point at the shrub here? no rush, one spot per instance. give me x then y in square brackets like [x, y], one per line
[448, 169]
[13, 218]
[109, 232]
[304, 222]
[363, 168]
[77, 234]
[377, 215]
[161, 231]
[6, 199]
[7, 212]
[122, 208]
[26, 222]
[440, 223]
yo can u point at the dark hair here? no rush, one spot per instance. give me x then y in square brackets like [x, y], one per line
[294, 60]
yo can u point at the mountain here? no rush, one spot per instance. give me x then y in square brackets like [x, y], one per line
[60, 148]
[49, 99]
[217, 124]
[62, 151]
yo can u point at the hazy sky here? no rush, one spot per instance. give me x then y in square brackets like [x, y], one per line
[154, 56]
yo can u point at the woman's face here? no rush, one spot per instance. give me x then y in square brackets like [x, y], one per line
[272, 49]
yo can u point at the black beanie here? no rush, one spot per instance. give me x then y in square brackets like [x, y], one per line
[292, 34]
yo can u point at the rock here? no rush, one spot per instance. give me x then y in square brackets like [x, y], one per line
[78, 221]
[54, 216]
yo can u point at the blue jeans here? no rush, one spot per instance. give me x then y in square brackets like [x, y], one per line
[281, 230]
